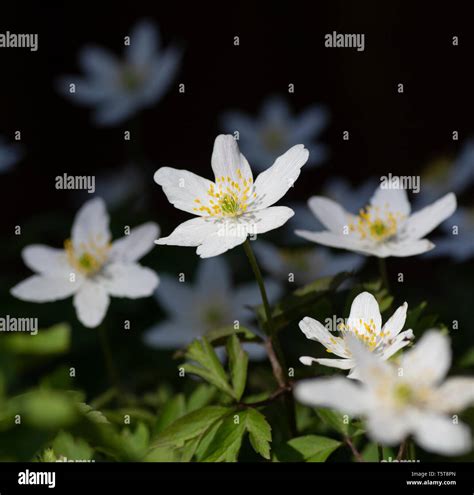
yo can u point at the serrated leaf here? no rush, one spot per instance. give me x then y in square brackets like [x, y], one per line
[172, 410]
[208, 365]
[238, 363]
[260, 432]
[189, 426]
[70, 448]
[200, 397]
[310, 448]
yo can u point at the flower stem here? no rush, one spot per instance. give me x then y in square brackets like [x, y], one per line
[355, 452]
[272, 344]
[380, 452]
[383, 273]
[109, 362]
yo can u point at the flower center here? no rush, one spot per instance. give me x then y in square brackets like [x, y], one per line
[403, 393]
[273, 138]
[366, 332]
[227, 197]
[90, 259]
[131, 79]
[371, 224]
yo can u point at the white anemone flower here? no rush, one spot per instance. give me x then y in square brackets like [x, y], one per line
[233, 206]
[118, 88]
[209, 304]
[303, 264]
[90, 267]
[269, 135]
[386, 227]
[411, 397]
[365, 323]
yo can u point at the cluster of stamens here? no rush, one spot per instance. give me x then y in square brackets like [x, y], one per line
[371, 224]
[227, 197]
[89, 258]
[369, 337]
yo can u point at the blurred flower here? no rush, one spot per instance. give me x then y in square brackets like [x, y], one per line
[384, 228]
[305, 264]
[444, 175]
[119, 186]
[211, 304]
[460, 246]
[90, 267]
[10, 155]
[364, 322]
[404, 398]
[268, 136]
[120, 88]
[232, 207]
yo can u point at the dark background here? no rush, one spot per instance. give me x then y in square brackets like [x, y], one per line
[405, 42]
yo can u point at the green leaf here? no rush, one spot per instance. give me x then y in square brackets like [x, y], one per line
[70, 448]
[54, 340]
[238, 363]
[467, 360]
[226, 442]
[208, 365]
[190, 426]
[260, 433]
[370, 453]
[200, 397]
[335, 420]
[172, 410]
[219, 335]
[310, 448]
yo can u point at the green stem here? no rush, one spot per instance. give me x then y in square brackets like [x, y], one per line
[109, 362]
[380, 452]
[383, 273]
[272, 343]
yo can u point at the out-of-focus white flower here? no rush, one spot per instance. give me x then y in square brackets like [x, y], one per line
[210, 304]
[459, 246]
[397, 400]
[275, 130]
[119, 88]
[305, 264]
[364, 322]
[444, 175]
[384, 228]
[233, 207]
[90, 267]
[10, 155]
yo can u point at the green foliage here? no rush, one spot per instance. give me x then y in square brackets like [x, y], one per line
[310, 448]
[53, 340]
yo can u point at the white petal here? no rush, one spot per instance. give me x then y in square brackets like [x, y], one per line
[129, 280]
[366, 308]
[46, 260]
[399, 342]
[455, 394]
[169, 335]
[91, 225]
[143, 43]
[45, 289]
[259, 222]
[116, 109]
[393, 200]
[395, 323]
[183, 189]
[191, 233]
[339, 393]
[176, 297]
[314, 330]
[99, 63]
[342, 364]
[429, 360]
[331, 214]
[213, 274]
[408, 247]
[338, 241]
[424, 221]
[438, 433]
[134, 246]
[388, 427]
[228, 235]
[272, 184]
[227, 160]
[91, 303]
